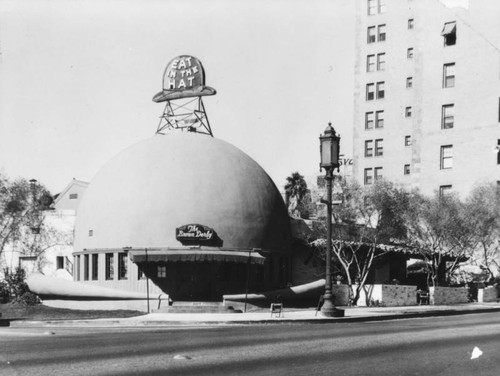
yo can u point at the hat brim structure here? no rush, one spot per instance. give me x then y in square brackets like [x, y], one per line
[168, 95]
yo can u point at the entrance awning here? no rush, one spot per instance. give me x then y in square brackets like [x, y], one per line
[449, 28]
[195, 255]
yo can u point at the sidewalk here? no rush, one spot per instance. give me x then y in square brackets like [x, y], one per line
[356, 314]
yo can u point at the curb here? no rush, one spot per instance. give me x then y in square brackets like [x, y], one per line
[154, 323]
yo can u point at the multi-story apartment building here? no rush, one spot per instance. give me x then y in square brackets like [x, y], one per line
[427, 93]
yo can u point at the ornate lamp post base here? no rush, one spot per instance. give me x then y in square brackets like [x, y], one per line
[329, 310]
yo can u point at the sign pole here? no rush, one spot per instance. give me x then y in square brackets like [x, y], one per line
[147, 278]
[248, 277]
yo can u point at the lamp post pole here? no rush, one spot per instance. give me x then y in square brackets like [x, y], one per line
[328, 309]
[329, 151]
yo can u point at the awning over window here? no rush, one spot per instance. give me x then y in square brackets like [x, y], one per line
[449, 28]
[195, 255]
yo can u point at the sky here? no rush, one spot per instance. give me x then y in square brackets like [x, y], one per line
[77, 79]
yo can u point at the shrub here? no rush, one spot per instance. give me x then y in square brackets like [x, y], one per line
[4, 292]
[28, 298]
[15, 289]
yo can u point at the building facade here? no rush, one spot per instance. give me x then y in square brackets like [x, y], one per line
[427, 93]
[48, 247]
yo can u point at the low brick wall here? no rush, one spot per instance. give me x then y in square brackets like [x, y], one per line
[448, 295]
[386, 295]
[488, 294]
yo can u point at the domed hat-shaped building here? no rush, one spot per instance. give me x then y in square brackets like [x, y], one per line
[187, 211]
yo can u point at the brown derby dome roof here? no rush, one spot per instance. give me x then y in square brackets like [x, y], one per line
[141, 196]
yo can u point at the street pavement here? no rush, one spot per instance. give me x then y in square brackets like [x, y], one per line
[459, 345]
[352, 314]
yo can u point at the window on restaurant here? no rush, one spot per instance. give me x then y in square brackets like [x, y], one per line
[110, 271]
[95, 267]
[122, 266]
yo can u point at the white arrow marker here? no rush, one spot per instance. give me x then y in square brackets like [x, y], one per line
[476, 353]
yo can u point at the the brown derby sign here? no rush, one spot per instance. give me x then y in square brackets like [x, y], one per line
[195, 234]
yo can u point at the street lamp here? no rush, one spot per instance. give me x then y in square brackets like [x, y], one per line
[329, 151]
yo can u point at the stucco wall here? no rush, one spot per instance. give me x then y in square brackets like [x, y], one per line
[488, 294]
[387, 295]
[448, 295]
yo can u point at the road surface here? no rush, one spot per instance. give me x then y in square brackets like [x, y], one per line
[430, 346]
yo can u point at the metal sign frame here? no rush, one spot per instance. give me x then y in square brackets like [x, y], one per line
[186, 114]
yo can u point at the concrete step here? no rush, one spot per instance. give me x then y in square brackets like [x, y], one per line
[197, 307]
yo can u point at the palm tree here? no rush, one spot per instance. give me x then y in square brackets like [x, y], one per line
[296, 188]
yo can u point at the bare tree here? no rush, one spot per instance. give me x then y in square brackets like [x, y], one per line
[367, 217]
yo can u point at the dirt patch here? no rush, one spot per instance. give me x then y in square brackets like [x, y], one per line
[40, 312]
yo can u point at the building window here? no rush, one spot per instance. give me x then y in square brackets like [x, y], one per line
[379, 119]
[371, 35]
[409, 82]
[444, 190]
[77, 267]
[409, 53]
[372, 7]
[368, 176]
[381, 62]
[381, 33]
[369, 148]
[447, 116]
[376, 6]
[110, 269]
[378, 173]
[380, 90]
[60, 262]
[95, 267]
[369, 119]
[140, 272]
[498, 151]
[73, 196]
[122, 266]
[381, 6]
[407, 140]
[161, 271]
[446, 157]
[370, 92]
[91, 232]
[410, 24]
[408, 112]
[449, 75]
[370, 63]
[450, 33]
[407, 169]
[86, 267]
[379, 147]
